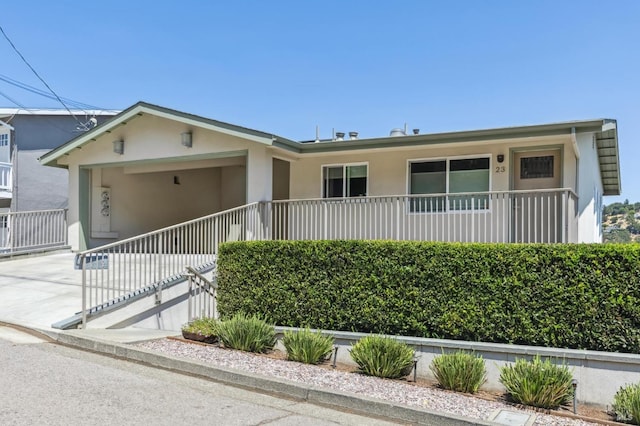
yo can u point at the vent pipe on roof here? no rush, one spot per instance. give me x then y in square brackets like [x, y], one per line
[397, 132]
[353, 135]
[339, 136]
[416, 131]
[317, 133]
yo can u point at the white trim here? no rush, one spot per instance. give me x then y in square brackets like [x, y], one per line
[7, 125]
[53, 111]
[344, 166]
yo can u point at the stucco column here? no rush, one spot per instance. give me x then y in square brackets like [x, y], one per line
[259, 188]
[73, 217]
[259, 174]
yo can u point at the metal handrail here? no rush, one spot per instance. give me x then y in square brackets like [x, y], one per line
[168, 228]
[202, 295]
[113, 271]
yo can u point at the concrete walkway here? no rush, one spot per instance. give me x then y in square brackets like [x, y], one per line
[40, 290]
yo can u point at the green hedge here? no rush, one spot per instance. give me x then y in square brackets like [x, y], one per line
[573, 296]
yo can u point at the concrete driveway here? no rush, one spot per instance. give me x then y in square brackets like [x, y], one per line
[38, 291]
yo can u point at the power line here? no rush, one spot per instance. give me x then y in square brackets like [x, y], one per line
[35, 90]
[51, 123]
[38, 75]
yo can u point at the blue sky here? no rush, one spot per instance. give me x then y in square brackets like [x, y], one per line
[289, 66]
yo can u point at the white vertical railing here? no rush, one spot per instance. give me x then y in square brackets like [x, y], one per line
[130, 266]
[123, 268]
[202, 301]
[540, 216]
[32, 230]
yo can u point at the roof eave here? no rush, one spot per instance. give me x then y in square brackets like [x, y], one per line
[142, 108]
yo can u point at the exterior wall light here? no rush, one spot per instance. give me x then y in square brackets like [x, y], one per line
[118, 147]
[500, 158]
[186, 139]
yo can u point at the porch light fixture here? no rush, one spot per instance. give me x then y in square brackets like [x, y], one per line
[186, 139]
[118, 147]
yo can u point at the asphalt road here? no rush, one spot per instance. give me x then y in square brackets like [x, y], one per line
[48, 384]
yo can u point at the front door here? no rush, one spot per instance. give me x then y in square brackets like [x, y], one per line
[536, 210]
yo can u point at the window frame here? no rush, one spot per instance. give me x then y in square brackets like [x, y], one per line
[344, 187]
[447, 194]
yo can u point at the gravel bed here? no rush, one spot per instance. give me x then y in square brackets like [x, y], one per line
[388, 390]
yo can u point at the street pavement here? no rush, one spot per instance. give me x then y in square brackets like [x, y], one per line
[42, 382]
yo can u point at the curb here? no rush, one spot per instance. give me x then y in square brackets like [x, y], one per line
[301, 392]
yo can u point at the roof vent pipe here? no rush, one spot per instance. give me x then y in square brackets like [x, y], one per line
[353, 135]
[416, 131]
[397, 132]
[339, 136]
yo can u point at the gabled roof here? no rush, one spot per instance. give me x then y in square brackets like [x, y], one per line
[142, 108]
[604, 129]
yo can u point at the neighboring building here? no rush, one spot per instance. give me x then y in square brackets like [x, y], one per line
[151, 167]
[6, 174]
[25, 135]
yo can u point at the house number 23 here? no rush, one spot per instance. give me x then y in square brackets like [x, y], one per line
[501, 169]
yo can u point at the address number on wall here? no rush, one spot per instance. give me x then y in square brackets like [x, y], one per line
[501, 169]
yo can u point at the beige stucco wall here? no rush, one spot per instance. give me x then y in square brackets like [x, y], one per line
[388, 168]
[212, 175]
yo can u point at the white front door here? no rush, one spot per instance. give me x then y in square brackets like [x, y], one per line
[537, 213]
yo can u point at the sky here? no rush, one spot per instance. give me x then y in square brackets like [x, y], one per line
[285, 67]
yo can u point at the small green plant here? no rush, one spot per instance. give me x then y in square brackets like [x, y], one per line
[247, 333]
[307, 346]
[459, 371]
[626, 404]
[382, 357]
[538, 383]
[201, 329]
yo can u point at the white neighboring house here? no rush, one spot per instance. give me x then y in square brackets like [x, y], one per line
[150, 167]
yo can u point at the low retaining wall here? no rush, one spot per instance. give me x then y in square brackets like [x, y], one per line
[599, 374]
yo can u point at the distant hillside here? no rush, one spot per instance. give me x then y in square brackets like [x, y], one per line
[621, 222]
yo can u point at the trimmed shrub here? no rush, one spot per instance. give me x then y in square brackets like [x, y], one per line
[382, 357]
[459, 371]
[580, 296]
[307, 346]
[538, 383]
[626, 404]
[247, 333]
[201, 329]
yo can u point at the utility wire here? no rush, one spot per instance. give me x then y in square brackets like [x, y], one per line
[35, 90]
[38, 75]
[51, 123]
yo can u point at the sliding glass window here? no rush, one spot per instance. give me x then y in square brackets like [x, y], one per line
[467, 177]
[344, 181]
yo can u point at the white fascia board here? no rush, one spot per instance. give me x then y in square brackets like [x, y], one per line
[8, 126]
[52, 111]
[90, 135]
